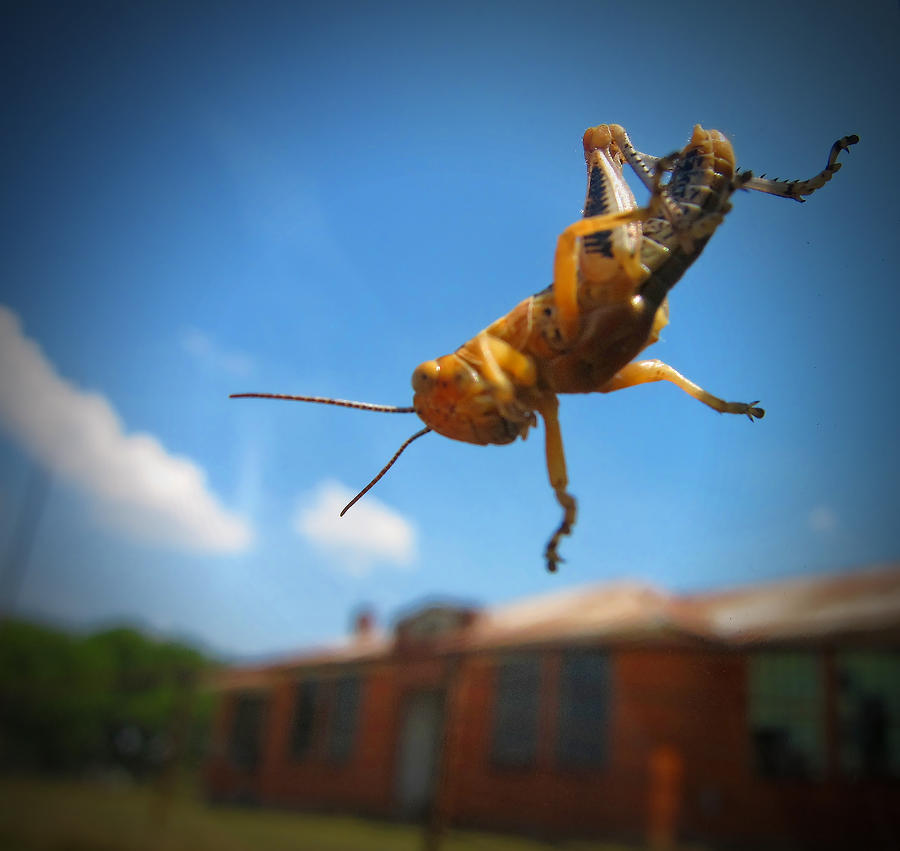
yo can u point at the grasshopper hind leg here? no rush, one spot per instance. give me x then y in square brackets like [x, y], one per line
[796, 189]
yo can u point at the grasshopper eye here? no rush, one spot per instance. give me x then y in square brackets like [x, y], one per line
[461, 375]
[425, 375]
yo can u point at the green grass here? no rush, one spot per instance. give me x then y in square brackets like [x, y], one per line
[44, 815]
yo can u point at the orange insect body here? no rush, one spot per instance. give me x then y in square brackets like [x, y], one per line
[608, 301]
[457, 396]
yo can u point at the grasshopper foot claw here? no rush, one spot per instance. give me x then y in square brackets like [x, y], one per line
[754, 413]
[551, 554]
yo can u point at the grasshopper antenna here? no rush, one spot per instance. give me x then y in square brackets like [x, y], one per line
[323, 400]
[345, 403]
[384, 469]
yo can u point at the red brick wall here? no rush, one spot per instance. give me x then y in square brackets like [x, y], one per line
[689, 700]
[659, 697]
[365, 783]
[361, 783]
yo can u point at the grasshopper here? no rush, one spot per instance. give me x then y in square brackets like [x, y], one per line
[612, 272]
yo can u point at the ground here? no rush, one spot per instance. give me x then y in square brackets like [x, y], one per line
[45, 815]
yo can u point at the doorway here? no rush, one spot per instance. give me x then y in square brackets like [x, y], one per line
[419, 752]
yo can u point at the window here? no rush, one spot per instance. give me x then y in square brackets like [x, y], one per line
[325, 719]
[304, 721]
[246, 731]
[584, 693]
[869, 713]
[786, 713]
[517, 688]
[345, 709]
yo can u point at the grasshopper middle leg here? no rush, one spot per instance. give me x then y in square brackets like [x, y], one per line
[646, 371]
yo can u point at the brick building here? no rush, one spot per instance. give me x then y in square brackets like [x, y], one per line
[761, 714]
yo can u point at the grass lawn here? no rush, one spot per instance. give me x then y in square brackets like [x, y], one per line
[43, 815]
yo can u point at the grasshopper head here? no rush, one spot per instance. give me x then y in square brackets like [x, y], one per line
[452, 398]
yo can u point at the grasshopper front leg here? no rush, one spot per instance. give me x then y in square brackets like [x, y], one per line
[511, 377]
[556, 468]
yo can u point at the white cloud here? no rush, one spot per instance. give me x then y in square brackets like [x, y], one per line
[137, 486]
[822, 519]
[368, 533]
[212, 356]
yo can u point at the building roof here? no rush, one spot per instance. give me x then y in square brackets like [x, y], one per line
[615, 611]
[812, 609]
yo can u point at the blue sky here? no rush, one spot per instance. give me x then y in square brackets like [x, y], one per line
[202, 199]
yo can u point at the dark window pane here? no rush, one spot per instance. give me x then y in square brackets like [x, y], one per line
[246, 733]
[342, 733]
[304, 720]
[787, 713]
[516, 712]
[869, 713]
[584, 695]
